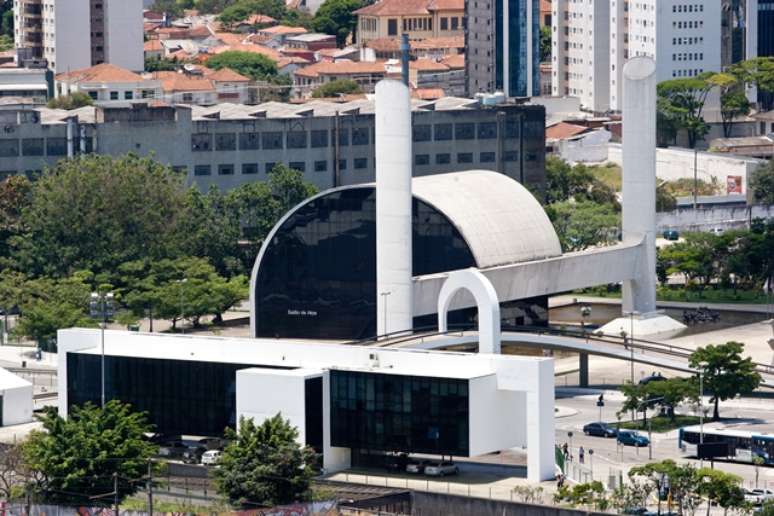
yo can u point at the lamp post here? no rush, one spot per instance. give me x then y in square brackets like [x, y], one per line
[101, 307]
[591, 463]
[631, 315]
[569, 436]
[385, 295]
[701, 410]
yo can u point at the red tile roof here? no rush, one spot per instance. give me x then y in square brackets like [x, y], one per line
[563, 130]
[173, 82]
[455, 62]
[341, 68]
[104, 72]
[395, 8]
[246, 47]
[226, 75]
[153, 45]
[428, 93]
[427, 65]
[282, 29]
[259, 19]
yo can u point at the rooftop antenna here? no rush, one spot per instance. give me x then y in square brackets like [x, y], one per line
[404, 58]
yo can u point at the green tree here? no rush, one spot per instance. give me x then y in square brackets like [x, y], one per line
[581, 225]
[545, 44]
[72, 101]
[695, 257]
[590, 495]
[6, 19]
[264, 464]
[721, 488]
[15, 196]
[665, 200]
[243, 9]
[96, 212]
[565, 182]
[726, 373]
[682, 481]
[683, 102]
[163, 64]
[337, 18]
[762, 183]
[336, 88]
[733, 101]
[671, 393]
[76, 458]
[249, 64]
[173, 8]
[758, 72]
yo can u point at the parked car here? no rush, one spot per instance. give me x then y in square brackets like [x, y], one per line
[193, 454]
[671, 234]
[600, 430]
[441, 469]
[172, 449]
[654, 377]
[396, 462]
[213, 443]
[758, 496]
[632, 438]
[416, 466]
[211, 457]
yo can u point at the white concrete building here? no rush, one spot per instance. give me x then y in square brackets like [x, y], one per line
[15, 399]
[106, 82]
[76, 34]
[591, 41]
[24, 82]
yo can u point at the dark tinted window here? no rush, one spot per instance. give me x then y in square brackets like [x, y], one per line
[298, 165]
[201, 142]
[412, 414]
[250, 141]
[32, 147]
[442, 159]
[464, 131]
[202, 170]
[319, 139]
[225, 170]
[271, 140]
[488, 157]
[9, 148]
[361, 163]
[422, 159]
[443, 132]
[320, 166]
[270, 166]
[296, 140]
[487, 130]
[225, 141]
[423, 133]
[56, 146]
[360, 136]
[249, 168]
[511, 156]
[465, 157]
[343, 136]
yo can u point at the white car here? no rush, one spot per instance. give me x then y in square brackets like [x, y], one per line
[441, 469]
[211, 457]
[758, 496]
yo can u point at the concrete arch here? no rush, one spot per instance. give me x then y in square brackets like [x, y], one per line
[486, 300]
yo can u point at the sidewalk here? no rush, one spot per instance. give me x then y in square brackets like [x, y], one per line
[557, 301]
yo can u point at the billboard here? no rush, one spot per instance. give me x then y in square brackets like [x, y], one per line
[734, 184]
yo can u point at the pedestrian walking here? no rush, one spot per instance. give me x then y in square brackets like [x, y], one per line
[581, 454]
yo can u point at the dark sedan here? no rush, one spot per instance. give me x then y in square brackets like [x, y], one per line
[600, 430]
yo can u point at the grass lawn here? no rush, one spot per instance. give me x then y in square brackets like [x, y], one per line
[660, 423]
[609, 173]
[709, 295]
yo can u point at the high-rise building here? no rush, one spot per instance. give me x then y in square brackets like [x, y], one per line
[591, 41]
[503, 56]
[765, 26]
[75, 34]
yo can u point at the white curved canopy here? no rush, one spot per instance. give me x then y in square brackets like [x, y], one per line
[501, 220]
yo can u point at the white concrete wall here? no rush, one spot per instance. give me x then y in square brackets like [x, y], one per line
[17, 399]
[676, 163]
[69, 35]
[589, 148]
[495, 418]
[124, 34]
[705, 219]
[262, 393]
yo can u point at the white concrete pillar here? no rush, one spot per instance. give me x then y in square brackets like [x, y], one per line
[639, 178]
[489, 336]
[394, 289]
[540, 424]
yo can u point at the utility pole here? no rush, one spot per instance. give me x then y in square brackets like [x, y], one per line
[115, 491]
[150, 487]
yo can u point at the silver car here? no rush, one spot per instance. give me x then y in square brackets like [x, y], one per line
[415, 466]
[441, 469]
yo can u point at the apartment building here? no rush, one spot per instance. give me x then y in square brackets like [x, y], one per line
[77, 34]
[591, 40]
[503, 56]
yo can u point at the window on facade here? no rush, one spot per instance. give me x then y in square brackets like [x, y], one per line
[511, 128]
[342, 164]
[392, 27]
[270, 166]
[464, 131]
[320, 166]
[32, 147]
[510, 156]
[465, 157]
[225, 170]
[319, 138]
[128, 95]
[202, 170]
[360, 163]
[225, 141]
[249, 141]
[93, 95]
[343, 137]
[113, 95]
[444, 23]
[9, 148]
[422, 159]
[188, 98]
[271, 140]
[249, 168]
[443, 159]
[360, 136]
[487, 157]
[201, 142]
[487, 130]
[443, 132]
[298, 165]
[56, 146]
[296, 140]
[455, 23]
[423, 133]
[148, 94]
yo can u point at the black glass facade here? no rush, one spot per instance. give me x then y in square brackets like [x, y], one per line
[412, 414]
[180, 396]
[317, 278]
[313, 412]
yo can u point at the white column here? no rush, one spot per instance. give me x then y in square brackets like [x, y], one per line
[394, 289]
[540, 423]
[639, 178]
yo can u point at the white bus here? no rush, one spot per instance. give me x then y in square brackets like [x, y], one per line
[743, 445]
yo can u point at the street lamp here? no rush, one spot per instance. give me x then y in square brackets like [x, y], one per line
[591, 463]
[101, 306]
[631, 315]
[569, 436]
[385, 295]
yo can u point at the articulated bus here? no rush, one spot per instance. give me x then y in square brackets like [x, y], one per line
[743, 445]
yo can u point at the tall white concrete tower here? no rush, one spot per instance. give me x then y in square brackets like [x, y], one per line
[394, 294]
[639, 177]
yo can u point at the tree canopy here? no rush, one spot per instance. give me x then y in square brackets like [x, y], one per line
[726, 373]
[337, 18]
[762, 183]
[263, 464]
[249, 64]
[336, 88]
[584, 224]
[681, 102]
[242, 9]
[76, 458]
[74, 100]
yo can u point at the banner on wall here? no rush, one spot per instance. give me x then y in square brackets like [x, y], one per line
[734, 184]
